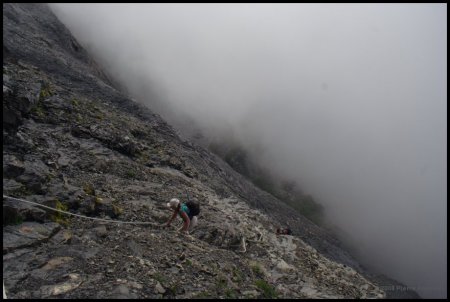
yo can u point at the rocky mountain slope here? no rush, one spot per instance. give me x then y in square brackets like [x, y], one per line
[74, 142]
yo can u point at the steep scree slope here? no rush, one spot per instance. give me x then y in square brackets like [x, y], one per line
[74, 142]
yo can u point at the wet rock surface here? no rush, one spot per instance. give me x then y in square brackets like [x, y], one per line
[73, 142]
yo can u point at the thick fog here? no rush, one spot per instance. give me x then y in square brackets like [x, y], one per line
[347, 99]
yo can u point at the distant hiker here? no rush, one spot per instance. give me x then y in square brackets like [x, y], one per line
[188, 212]
[286, 231]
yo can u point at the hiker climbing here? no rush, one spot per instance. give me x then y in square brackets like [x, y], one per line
[188, 212]
[285, 231]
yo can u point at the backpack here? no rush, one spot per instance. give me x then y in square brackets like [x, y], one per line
[194, 208]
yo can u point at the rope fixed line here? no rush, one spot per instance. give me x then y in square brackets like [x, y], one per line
[82, 216]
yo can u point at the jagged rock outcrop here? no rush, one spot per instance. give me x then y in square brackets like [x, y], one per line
[73, 142]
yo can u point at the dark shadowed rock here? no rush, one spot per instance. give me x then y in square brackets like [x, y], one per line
[27, 234]
[35, 175]
[18, 99]
[10, 185]
[16, 211]
[104, 206]
[12, 167]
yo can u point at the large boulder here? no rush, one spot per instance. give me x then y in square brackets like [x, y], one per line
[18, 100]
[96, 206]
[225, 235]
[16, 211]
[106, 207]
[27, 234]
[35, 175]
[12, 166]
[126, 146]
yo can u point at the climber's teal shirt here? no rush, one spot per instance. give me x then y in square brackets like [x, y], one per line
[185, 209]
